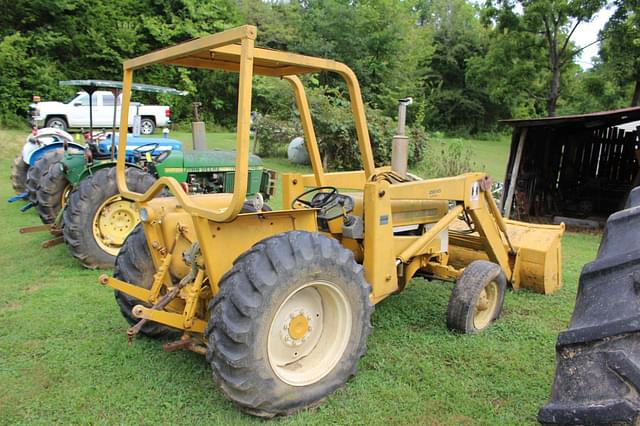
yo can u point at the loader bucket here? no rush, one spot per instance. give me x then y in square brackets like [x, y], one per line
[538, 263]
[597, 378]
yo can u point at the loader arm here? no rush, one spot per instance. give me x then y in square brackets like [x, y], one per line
[472, 193]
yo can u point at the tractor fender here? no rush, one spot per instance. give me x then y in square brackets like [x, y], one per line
[103, 165]
[37, 153]
[43, 137]
[597, 377]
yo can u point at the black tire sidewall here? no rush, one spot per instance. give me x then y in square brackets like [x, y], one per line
[307, 264]
[82, 208]
[19, 171]
[49, 195]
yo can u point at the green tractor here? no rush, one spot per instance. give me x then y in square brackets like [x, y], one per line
[78, 193]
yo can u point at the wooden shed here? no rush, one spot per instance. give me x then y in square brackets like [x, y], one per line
[578, 166]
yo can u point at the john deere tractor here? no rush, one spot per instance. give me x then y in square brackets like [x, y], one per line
[280, 302]
[97, 219]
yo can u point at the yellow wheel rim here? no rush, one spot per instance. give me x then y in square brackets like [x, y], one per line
[486, 306]
[65, 195]
[113, 221]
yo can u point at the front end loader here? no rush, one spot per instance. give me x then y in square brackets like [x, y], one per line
[280, 301]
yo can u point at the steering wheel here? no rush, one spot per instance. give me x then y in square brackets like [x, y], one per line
[319, 199]
[147, 147]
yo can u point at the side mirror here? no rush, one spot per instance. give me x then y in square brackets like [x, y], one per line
[77, 104]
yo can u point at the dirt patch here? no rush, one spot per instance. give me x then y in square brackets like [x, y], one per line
[32, 288]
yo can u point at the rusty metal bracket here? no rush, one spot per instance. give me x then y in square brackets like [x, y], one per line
[52, 242]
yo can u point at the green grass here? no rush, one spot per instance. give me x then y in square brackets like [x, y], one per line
[64, 356]
[488, 155]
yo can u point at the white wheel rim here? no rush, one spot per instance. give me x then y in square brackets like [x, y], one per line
[309, 333]
[146, 128]
[56, 124]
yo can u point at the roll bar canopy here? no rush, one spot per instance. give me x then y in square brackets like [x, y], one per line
[233, 50]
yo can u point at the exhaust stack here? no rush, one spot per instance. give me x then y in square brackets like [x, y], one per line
[400, 142]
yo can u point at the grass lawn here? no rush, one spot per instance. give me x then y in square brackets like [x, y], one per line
[64, 356]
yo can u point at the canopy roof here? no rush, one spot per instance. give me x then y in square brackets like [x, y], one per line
[223, 51]
[110, 84]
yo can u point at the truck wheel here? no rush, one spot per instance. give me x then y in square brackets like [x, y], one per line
[97, 219]
[147, 126]
[19, 174]
[289, 324]
[134, 265]
[477, 298]
[37, 170]
[57, 123]
[52, 193]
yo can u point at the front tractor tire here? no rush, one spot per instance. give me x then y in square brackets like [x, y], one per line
[477, 298]
[135, 266]
[289, 324]
[19, 175]
[52, 193]
[97, 220]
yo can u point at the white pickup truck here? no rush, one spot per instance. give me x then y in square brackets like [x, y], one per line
[75, 113]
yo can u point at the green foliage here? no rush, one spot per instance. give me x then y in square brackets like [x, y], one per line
[620, 49]
[465, 65]
[538, 40]
[274, 135]
[335, 132]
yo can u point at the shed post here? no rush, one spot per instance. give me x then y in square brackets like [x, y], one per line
[508, 200]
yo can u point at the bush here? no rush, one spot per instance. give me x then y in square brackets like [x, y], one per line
[447, 158]
[335, 131]
[274, 135]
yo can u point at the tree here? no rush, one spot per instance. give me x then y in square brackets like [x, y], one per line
[620, 48]
[554, 22]
[457, 37]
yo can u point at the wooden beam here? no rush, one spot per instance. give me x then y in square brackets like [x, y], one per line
[514, 174]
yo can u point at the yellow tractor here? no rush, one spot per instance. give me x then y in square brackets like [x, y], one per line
[280, 301]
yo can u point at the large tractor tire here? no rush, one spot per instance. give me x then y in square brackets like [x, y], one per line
[135, 266]
[597, 378]
[19, 174]
[52, 193]
[37, 170]
[97, 219]
[289, 324]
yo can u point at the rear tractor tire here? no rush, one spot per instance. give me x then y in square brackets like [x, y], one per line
[37, 170]
[97, 220]
[52, 193]
[477, 298]
[289, 324]
[135, 266]
[19, 175]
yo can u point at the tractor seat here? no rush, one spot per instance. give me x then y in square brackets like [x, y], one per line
[96, 153]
